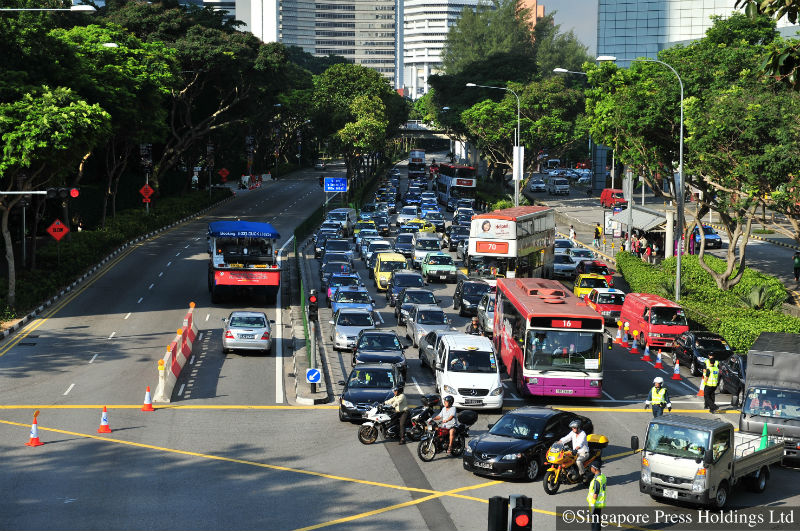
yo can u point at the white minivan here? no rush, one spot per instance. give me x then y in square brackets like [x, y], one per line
[467, 368]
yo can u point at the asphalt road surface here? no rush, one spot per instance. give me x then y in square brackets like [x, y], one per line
[231, 451]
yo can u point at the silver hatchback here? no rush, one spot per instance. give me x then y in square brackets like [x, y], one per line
[247, 331]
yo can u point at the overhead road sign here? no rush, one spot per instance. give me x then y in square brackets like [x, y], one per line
[335, 184]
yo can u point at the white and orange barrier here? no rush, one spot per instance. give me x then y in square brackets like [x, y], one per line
[178, 353]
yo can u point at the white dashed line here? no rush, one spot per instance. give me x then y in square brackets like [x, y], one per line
[207, 316]
[177, 254]
[151, 286]
[187, 246]
[161, 273]
[191, 361]
[112, 335]
[129, 314]
[419, 389]
[140, 300]
[169, 264]
[379, 317]
[609, 396]
[94, 357]
[69, 389]
[200, 337]
[180, 391]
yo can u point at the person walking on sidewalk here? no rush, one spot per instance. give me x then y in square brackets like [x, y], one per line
[796, 263]
[598, 233]
[572, 233]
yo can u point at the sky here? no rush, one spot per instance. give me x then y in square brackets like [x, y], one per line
[579, 16]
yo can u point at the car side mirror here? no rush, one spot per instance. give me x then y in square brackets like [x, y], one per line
[634, 442]
[438, 366]
[708, 457]
[735, 401]
[330, 322]
[272, 321]
[341, 382]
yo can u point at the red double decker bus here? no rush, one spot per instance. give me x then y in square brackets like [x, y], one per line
[550, 341]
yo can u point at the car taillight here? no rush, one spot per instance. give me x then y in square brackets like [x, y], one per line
[265, 337]
[229, 335]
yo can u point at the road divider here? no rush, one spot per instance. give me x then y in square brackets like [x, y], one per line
[178, 353]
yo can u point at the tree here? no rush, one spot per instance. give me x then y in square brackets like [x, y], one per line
[783, 62]
[555, 49]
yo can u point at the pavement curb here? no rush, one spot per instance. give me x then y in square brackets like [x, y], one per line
[35, 313]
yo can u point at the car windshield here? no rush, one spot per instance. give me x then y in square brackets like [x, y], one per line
[392, 265]
[593, 283]
[708, 231]
[378, 246]
[364, 225]
[335, 257]
[478, 361]
[431, 317]
[337, 216]
[337, 281]
[597, 269]
[409, 211]
[556, 350]
[249, 321]
[563, 244]
[355, 319]
[441, 259]
[476, 288]
[490, 306]
[408, 281]
[369, 207]
[582, 253]
[357, 297]
[618, 195]
[420, 297]
[379, 342]
[427, 245]
[562, 259]
[381, 220]
[434, 216]
[611, 298]
[337, 245]
[767, 402]
[459, 231]
[676, 441]
[331, 225]
[336, 267]
[518, 427]
[372, 378]
[661, 315]
[711, 343]
[404, 238]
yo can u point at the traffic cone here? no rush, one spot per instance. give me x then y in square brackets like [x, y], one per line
[625, 340]
[634, 346]
[104, 427]
[34, 440]
[148, 402]
[676, 370]
[618, 339]
[646, 356]
[658, 364]
[701, 392]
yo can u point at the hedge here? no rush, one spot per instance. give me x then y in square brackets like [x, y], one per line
[59, 264]
[722, 312]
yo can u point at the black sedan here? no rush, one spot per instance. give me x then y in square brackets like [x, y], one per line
[368, 383]
[468, 294]
[732, 375]
[402, 278]
[515, 447]
[380, 346]
[409, 297]
[692, 349]
[455, 234]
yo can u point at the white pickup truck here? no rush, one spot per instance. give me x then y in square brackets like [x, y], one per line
[699, 460]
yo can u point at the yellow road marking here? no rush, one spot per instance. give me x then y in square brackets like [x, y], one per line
[396, 506]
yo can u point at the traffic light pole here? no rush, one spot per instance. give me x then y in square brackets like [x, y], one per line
[312, 359]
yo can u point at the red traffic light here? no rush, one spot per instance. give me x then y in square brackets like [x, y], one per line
[312, 298]
[522, 520]
[74, 192]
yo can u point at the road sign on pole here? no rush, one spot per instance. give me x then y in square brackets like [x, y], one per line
[57, 230]
[313, 376]
[146, 191]
[223, 172]
[335, 184]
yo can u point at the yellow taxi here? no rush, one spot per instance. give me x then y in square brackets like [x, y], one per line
[365, 224]
[384, 265]
[424, 226]
[585, 283]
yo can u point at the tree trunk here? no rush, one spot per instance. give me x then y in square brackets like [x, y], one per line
[12, 273]
[737, 236]
[37, 217]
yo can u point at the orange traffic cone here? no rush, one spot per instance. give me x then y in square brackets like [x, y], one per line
[646, 356]
[701, 392]
[634, 346]
[676, 370]
[34, 440]
[148, 402]
[658, 364]
[104, 427]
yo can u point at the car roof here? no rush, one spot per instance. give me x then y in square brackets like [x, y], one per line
[707, 335]
[372, 366]
[345, 289]
[536, 412]
[591, 275]
[406, 272]
[474, 281]
[247, 314]
[378, 332]
[428, 307]
[436, 253]
[355, 310]
[603, 291]
[464, 341]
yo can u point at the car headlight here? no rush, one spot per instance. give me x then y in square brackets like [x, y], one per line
[511, 457]
[645, 471]
[404, 312]
[347, 404]
[466, 303]
[497, 392]
[449, 390]
[468, 449]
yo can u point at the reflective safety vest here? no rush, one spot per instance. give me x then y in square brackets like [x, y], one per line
[657, 395]
[713, 374]
[597, 486]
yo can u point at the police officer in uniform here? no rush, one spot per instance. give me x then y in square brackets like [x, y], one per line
[712, 380]
[658, 397]
[597, 494]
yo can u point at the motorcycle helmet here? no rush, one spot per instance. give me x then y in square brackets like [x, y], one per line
[575, 424]
[449, 399]
[658, 380]
[398, 389]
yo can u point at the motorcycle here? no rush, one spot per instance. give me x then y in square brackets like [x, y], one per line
[563, 468]
[436, 439]
[383, 420]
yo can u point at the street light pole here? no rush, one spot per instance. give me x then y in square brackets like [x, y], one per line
[519, 153]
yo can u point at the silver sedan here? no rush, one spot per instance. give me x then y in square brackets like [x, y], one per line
[247, 331]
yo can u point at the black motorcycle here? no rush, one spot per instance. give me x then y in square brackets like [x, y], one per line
[436, 439]
[383, 420]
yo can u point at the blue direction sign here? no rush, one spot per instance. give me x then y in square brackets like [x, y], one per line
[313, 375]
[335, 184]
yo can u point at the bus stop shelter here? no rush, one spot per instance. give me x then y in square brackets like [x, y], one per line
[644, 220]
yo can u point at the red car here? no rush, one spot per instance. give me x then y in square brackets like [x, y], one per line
[597, 267]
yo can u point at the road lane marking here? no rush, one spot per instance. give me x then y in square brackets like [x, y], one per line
[180, 391]
[380, 317]
[94, 357]
[151, 286]
[69, 389]
[160, 274]
[191, 360]
[178, 253]
[140, 300]
[609, 396]
[112, 335]
[187, 246]
[200, 337]
[207, 316]
[169, 264]
[419, 389]
[128, 315]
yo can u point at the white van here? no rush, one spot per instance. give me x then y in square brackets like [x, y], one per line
[467, 368]
[347, 217]
[557, 185]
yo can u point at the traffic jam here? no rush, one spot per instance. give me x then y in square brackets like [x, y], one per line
[478, 313]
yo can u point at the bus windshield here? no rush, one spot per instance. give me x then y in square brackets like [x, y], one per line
[570, 350]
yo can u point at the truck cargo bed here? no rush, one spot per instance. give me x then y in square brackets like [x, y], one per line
[749, 459]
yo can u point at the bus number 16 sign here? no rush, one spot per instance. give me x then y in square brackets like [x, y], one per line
[564, 323]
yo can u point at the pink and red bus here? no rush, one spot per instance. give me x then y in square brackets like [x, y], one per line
[549, 340]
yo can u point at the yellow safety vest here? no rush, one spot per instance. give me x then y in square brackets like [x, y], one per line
[657, 395]
[597, 485]
[713, 374]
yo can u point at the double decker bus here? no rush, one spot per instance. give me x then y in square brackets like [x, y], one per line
[416, 163]
[512, 242]
[550, 341]
[454, 182]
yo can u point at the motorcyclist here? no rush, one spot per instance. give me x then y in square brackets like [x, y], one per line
[658, 397]
[579, 445]
[447, 417]
[400, 405]
[473, 328]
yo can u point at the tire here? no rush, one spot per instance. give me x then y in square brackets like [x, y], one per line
[758, 483]
[518, 382]
[367, 434]
[415, 434]
[693, 367]
[458, 446]
[341, 416]
[721, 498]
[426, 450]
[461, 311]
[549, 482]
[533, 469]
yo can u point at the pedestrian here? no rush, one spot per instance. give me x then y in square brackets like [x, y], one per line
[597, 494]
[712, 380]
[400, 405]
[572, 233]
[647, 253]
[796, 262]
[598, 233]
[658, 397]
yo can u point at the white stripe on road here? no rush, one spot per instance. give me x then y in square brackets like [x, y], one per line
[380, 317]
[126, 317]
[160, 274]
[169, 264]
[151, 286]
[279, 339]
[207, 316]
[177, 254]
[180, 391]
[140, 300]
[609, 396]
[200, 337]
[69, 389]
[112, 335]
[419, 389]
[94, 357]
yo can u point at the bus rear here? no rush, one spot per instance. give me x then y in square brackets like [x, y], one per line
[551, 342]
[416, 163]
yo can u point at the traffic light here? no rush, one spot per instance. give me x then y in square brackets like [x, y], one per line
[63, 193]
[313, 308]
[321, 181]
[521, 513]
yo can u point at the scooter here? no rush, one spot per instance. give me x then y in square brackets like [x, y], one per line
[436, 439]
[563, 468]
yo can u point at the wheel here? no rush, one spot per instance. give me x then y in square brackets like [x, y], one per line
[759, 482]
[426, 450]
[461, 311]
[341, 416]
[367, 434]
[693, 367]
[532, 470]
[721, 498]
[415, 433]
[458, 446]
[518, 381]
[550, 483]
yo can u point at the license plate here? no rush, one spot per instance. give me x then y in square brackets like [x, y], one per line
[669, 493]
[442, 277]
[472, 402]
[246, 336]
[564, 391]
[483, 464]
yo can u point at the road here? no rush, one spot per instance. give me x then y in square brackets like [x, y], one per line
[230, 454]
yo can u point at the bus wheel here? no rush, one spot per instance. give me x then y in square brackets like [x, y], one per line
[518, 381]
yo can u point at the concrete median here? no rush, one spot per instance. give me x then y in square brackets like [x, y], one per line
[179, 351]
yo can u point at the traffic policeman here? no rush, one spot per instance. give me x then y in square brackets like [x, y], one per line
[658, 397]
[712, 380]
[597, 494]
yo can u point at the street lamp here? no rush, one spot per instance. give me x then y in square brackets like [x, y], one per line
[680, 187]
[80, 8]
[519, 154]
